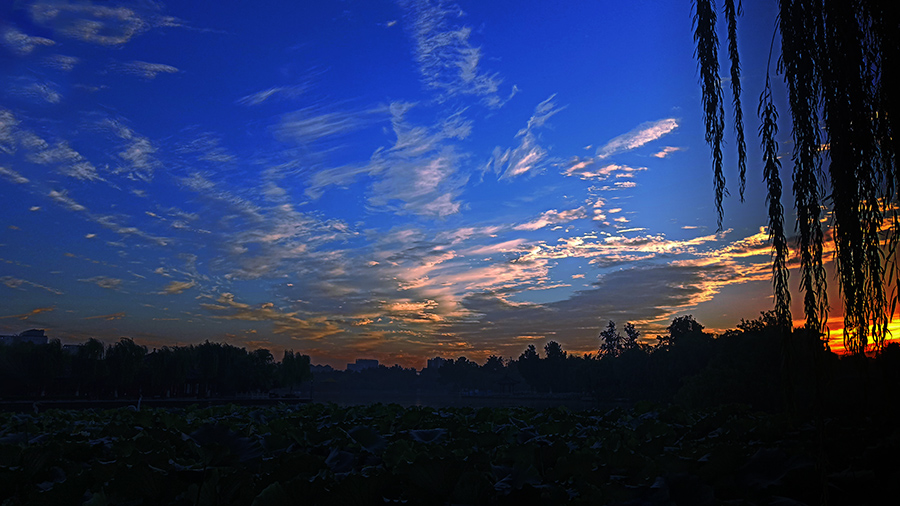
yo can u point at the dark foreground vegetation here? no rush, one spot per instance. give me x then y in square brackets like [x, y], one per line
[384, 454]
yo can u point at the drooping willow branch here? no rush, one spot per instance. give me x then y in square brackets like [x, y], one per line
[839, 59]
[799, 28]
[768, 116]
[731, 14]
[711, 90]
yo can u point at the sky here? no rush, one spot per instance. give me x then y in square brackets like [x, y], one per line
[372, 179]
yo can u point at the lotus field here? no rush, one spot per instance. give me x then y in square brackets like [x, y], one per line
[384, 454]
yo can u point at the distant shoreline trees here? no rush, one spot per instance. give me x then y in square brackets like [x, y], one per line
[126, 369]
[686, 365]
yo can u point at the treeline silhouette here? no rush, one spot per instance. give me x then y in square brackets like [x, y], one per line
[686, 365]
[126, 369]
[748, 365]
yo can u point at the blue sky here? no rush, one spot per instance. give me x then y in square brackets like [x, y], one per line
[395, 180]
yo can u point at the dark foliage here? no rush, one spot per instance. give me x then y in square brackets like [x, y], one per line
[126, 369]
[838, 59]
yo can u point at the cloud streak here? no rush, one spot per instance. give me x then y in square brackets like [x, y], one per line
[227, 308]
[148, 70]
[17, 283]
[553, 217]
[417, 175]
[98, 24]
[528, 156]
[104, 282]
[274, 93]
[21, 44]
[12, 176]
[178, 287]
[641, 135]
[448, 61]
[309, 125]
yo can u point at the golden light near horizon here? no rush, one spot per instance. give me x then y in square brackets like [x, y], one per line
[835, 333]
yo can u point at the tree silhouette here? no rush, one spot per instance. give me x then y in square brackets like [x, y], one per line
[680, 328]
[88, 367]
[610, 341]
[528, 366]
[554, 351]
[630, 341]
[493, 364]
[125, 360]
[839, 60]
[553, 369]
[294, 369]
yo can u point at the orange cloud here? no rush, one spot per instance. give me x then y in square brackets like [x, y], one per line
[33, 312]
[284, 323]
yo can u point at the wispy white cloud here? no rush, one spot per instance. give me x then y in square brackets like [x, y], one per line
[61, 62]
[553, 217]
[309, 125]
[34, 90]
[420, 171]
[448, 61]
[207, 147]
[512, 245]
[148, 70]
[643, 134]
[12, 176]
[267, 239]
[528, 155]
[17, 283]
[458, 235]
[66, 201]
[47, 92]
[417, 175]
[272, 93]
[104, 25]
[137, 152]
[666, 151]
[68, 161]
[585, 169]
[21, 44]
[107, 221]
[418, 184]
[8, 127]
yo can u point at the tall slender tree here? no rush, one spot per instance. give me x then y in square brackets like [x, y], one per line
[839, 60]
[610, 341]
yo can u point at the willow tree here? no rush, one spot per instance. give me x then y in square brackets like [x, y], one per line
[839, 65]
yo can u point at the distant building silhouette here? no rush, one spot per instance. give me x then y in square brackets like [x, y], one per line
[33, 336]
[362, 364]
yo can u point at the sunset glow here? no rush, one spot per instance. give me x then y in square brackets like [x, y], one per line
[390, 180]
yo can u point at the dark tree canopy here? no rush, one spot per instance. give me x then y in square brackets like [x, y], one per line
[839, 62]
[610, 341]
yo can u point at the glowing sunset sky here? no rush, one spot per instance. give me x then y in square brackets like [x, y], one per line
[395, 180]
